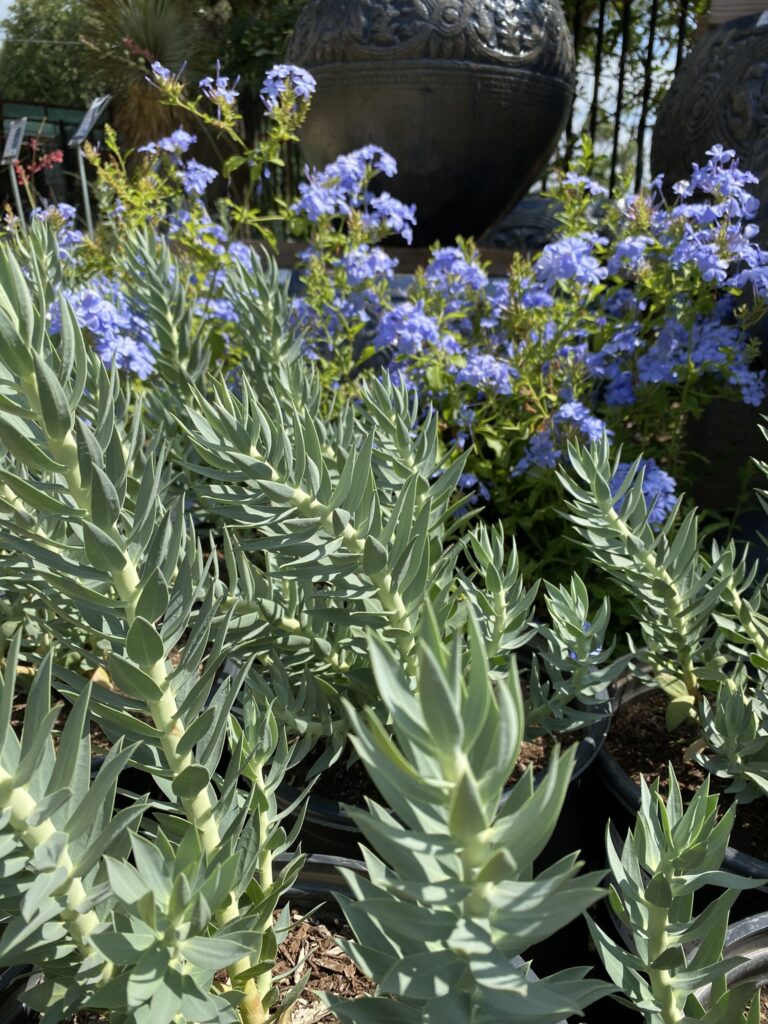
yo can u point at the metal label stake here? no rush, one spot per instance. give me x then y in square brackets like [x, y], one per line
[11, 150]
[94, 112]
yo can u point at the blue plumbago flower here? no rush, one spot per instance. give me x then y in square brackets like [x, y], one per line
[197, 223]
[540, 451]
[751, 383]
[61, 216]
[620, 389]
[406, 328]
[661, 362]
[469, 482]
[449, 270]
[119, 333]
[609, 364]
[536, 297]
[385, 213]
[571, 259]
[196, 177]
[576, 414]
[659, 489]
[487, 373]
[628, 253]
[241, 252]
[160, 71]
[545, 448]
[575, 180]
[364, 263]
[282, 77]
[218, 90]
[175, 144]
[706, 255]
[341, 187]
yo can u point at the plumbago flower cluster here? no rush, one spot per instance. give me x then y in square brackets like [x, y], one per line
[167, 192]
[627, 325]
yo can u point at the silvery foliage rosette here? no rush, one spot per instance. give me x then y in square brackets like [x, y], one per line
[452, 899]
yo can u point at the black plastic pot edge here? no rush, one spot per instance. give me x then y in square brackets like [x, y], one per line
[627, 795]
[747, 938]
[330, 829]
[315, 887]
[12, 984]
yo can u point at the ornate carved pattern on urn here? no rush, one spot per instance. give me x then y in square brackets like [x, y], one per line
[470, 96]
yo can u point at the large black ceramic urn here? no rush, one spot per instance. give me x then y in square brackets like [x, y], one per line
[719, 95]
[470, 96]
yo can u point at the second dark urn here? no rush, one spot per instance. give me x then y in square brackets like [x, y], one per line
[470, 96]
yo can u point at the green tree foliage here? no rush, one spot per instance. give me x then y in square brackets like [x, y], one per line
[41, 60]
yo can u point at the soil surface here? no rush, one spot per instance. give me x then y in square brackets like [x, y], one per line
[764, 1007]
[349, 783]
[642, 744]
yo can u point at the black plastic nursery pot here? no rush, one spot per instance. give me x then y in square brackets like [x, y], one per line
[328, 829]
[749, 939]
[12, 984]
[620, 795]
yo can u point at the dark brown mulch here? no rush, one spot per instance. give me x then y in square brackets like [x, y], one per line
[642, 744]
[312, 947]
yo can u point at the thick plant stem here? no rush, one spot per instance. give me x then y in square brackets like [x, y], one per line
[199, 809]
[661, 981]
[80, 925]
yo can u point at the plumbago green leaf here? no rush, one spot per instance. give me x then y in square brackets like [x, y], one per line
[670, 854]
[452, 900]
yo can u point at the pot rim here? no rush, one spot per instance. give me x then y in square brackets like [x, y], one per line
[747, 938]
[587, 753]
[627, 791]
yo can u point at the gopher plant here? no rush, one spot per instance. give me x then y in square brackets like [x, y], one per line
[700, 612]
[670, 854]
[452, 898]
[184, 931]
